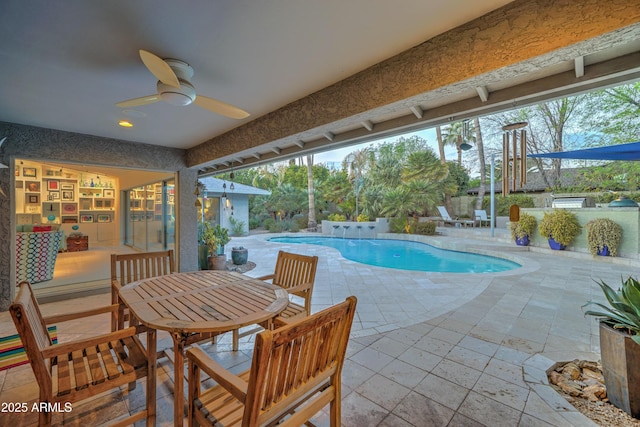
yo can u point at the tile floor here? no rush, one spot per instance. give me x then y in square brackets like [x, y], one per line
[426, 349]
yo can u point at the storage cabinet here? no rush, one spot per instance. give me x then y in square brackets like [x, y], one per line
[77, 243]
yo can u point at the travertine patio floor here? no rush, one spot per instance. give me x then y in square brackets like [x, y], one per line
[426, 349]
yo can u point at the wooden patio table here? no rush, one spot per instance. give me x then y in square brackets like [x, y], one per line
[202, 301]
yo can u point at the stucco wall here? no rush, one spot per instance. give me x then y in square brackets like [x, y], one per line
[628, 218]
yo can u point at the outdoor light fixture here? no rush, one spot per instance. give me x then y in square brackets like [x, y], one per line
[465, 146]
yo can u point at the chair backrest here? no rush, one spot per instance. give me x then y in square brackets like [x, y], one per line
[292, 363]
[127, 268]
[444, 214]
[33, 331]
[294, 270]
[480, 214]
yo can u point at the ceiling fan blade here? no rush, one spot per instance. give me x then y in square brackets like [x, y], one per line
[159, 68]
[136, 102]
[220, 107]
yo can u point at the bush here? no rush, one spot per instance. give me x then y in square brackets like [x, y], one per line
[603, 232]
[561, 225]
[337, 217]
[267, 223]
[254, 223]
[301, 221]
[504, 203]
[524, 227]
[425, 228]
[362, 218]
[397, 225]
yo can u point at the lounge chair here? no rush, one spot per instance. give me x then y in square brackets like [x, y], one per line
[481, 217]
[446, 218]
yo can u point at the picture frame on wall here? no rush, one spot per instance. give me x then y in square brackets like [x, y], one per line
[54, 195]
[67, 186]
[108, 193]
[20, 184]
[104, 218]
[86, 218]
[69, 208]
[33, 199]
[33, 186]
[29, 172]
[53, 185]
[67, 195]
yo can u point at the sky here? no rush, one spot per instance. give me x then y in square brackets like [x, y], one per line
[338, 155]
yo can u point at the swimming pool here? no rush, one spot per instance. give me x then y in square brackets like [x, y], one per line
[405, 255]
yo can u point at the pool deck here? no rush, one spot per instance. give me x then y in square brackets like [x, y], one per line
[426, 349]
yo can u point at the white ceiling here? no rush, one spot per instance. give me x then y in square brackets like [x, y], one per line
[64, 64]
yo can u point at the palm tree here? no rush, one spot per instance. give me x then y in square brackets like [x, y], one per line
[483, 166]
[357, 163]
[311, 223]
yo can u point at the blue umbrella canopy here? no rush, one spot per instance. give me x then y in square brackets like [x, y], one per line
[629, 151]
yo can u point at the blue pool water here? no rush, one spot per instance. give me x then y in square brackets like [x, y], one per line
[405, 255]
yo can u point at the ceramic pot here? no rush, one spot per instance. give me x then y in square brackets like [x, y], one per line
[604, 251]
[239, 256]
[555, 245]
[203, 254]
[523, 241]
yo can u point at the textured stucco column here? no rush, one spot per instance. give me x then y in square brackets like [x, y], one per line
[500, 40]
[187, 214]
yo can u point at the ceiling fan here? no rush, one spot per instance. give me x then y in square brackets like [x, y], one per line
[174, 87]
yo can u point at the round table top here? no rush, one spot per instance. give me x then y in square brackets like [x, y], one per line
[203, 301]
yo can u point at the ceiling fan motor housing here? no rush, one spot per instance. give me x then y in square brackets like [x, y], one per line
[184, 95]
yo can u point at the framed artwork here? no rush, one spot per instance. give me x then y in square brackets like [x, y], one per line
[104, 218]
[33, 186]
[67, 195]
[53, 185]
[86, 218]
[19, 184]
[69, 208]
[29, 172]
[108, 204]
[69, 220]
[33, 199]
[98, 204]
[85, 204]
[67, 186]
[54, 195]
[108, 193]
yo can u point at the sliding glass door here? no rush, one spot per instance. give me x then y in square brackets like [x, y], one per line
[150, 216]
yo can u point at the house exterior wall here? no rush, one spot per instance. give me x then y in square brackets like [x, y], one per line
[41, 144]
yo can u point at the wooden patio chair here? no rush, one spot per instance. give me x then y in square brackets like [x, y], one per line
[296, 273]
[127, 268]
[80, 369]
[295, 372]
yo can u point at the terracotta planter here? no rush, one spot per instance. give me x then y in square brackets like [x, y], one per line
[217, 262]
[621, 369]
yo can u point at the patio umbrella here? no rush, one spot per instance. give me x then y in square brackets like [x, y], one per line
[629, 151]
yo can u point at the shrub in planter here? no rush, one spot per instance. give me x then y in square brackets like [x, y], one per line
[620, 343]
[426, 228]
[560, 225]
[523, 228]
[603, 233]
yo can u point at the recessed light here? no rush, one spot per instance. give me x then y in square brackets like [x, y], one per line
[125, 124]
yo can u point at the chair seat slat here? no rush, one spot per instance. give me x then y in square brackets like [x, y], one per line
[64, 378]
[97, 373]
[79, 370]
[107, 357]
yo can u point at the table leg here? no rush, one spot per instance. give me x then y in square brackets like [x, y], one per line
[151, 377]
[178, 379]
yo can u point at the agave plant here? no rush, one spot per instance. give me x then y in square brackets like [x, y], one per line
[624, 309]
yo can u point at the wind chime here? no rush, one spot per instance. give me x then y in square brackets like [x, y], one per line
[514, 154]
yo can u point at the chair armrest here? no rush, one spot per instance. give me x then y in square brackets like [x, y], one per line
[267, 277]
[300, 288]
[230, 382]
[58, 318]
[66, 348]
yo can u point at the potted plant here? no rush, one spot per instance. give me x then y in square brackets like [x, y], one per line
[603, 236]
[560, 227]
[222, 236]
[523, 228]
[210, 238]
[620, 344]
